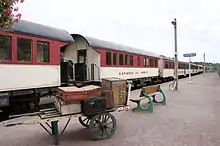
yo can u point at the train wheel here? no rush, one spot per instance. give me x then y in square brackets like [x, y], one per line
[102, 126]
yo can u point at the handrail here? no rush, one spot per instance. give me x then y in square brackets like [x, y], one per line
[129, 92]
[98, 68]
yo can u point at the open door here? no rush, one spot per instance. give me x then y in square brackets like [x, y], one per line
[66, 71]
[80, 66]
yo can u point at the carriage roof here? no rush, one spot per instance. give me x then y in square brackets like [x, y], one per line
[98, 43]
[38, 30]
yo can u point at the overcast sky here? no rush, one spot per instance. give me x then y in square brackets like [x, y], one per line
[144, 24]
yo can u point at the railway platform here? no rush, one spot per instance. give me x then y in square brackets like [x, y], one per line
[191, 117]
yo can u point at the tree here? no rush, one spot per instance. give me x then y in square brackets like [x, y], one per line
[9, 14]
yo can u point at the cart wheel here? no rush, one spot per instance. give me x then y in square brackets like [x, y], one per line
[85, 121]
[102, 126]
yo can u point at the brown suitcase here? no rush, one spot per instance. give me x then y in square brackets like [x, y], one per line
[70, 94]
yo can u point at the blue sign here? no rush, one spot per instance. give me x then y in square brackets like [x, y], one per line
[189, 55]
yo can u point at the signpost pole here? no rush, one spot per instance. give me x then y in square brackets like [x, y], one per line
[189, 55]
[204, 61]
[189, 71]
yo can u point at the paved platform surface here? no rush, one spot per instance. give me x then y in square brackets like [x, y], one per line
[190, 118]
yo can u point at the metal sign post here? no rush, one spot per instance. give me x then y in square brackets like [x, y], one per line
[204, 61]
[189, 55]
[189, 71]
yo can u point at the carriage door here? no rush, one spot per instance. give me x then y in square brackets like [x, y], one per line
[80, 66]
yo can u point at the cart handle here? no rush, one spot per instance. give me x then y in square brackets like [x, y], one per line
[129, 91]
[12, 124]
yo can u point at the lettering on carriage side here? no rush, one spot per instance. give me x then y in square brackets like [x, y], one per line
[126, 73]
[144, 72]
[131, 73]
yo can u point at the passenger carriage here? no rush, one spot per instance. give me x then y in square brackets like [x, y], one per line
[29, 64]
[166, 68]
[94, 59]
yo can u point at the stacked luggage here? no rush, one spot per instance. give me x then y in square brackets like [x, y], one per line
[91, 99]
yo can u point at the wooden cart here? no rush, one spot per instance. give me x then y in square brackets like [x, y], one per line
[102, 124]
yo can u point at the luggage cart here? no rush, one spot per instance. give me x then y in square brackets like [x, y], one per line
[102, 124]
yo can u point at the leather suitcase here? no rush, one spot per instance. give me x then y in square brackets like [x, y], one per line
[94, 105]
[70, 94]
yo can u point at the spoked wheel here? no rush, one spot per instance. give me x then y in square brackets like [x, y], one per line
[85, 121]
[102, 126]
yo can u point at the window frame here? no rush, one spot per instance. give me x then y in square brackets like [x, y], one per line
[166, 65]
[126, 59]
[121, 60]
[110, 58]
[115, 58]
[145, 61]
[32, 49]
[139, 60]
[11, 48]
[131, 60]
[49, 52]
[154, 63]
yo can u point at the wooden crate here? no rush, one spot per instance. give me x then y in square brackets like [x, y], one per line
[108, 94]
[118, 86]
[70, 94]
[65, 108]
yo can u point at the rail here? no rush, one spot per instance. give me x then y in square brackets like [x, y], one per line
[98, 69]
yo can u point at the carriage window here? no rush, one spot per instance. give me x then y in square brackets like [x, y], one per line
[156, 62]
[166, 64]
[5, 48]
[24, 49]
[179, 66]
[114, 58]
[126, 59]
[108, 58]
[121, 59]
[171, 65]
[152, 63]
[131, 60]
[138, 60]
[145, 61]
[43, 49]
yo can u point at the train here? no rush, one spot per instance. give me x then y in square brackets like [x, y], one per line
[36, 59]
